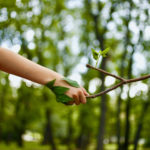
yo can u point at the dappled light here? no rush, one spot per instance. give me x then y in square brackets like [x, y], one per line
[75, 38]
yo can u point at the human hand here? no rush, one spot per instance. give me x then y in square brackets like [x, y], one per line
[73, 92]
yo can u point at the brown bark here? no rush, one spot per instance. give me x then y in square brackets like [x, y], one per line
[123, 81]
[140, 124]
[70, 130]
[103, 115]
[48, 136]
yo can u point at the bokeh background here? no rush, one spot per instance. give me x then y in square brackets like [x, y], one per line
[59, 34]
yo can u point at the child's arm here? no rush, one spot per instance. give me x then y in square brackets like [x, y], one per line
[13, 63]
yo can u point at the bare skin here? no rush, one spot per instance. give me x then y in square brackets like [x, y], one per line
[16, 64]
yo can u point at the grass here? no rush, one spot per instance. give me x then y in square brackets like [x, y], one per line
[37, 146]
[27, 146]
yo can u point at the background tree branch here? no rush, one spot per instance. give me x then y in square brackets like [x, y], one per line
[123, 81]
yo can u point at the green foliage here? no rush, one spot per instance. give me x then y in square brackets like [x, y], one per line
[60, 91]
[25, 108]
[63, 98]
[72, 82]
[96, 55]
[104, 52]
[51, 83]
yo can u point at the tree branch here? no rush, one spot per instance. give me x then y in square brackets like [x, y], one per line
[107, 73]
[123, 81]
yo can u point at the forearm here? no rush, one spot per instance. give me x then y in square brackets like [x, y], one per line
[13, 63]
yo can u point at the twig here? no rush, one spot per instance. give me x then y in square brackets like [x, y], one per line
[123, 81]
[103, 71]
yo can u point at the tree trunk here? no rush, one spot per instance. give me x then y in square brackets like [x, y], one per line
[48, 133]
[19, 139]
[128, 105]
[70, 130]
[48, 136]
[127, 42]
[103, 113]
[3, 90]
[127, 130]
[118, 121]
[119, 101]
[140, 124]
[83, 139]
[1, 113]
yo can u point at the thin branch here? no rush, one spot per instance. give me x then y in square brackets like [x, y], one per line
[123, 81]
[106, 91]
[107, 73]
[138, 79]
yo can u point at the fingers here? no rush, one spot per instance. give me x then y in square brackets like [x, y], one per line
[82, 98]
[79, 97]
[76, 99]
[85, 92]
[70, 103]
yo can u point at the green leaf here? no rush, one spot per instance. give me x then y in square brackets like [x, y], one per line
[59, 89]
[63, 98]
[95, 54]
[104, 52]
[50, 84]
[72, 82]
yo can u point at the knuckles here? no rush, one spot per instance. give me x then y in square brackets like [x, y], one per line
[76, 95]
[80, 92]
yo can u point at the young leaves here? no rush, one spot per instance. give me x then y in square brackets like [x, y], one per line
[104, 52]
[96, 55]
[63, 98]
[60, 91]
[72, 82]
[51, 83]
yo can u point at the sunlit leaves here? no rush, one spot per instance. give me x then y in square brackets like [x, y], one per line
[59, 91]
[96, 55]
[104, 52]
[72, 82]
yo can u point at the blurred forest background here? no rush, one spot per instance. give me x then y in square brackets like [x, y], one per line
[59, 34]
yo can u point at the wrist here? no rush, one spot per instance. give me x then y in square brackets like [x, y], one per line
[52, 75]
